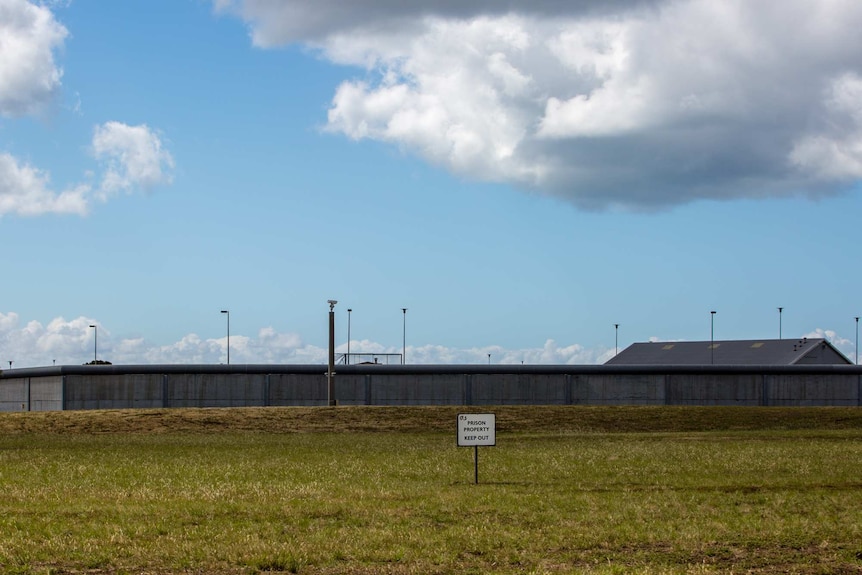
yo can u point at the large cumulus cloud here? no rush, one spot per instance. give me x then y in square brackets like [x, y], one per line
[630, 104]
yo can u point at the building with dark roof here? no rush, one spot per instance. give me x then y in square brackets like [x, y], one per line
[805, 351]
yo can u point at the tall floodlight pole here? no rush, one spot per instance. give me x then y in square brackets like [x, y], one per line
[781, 309]
[712, 337]
[347, 359]
[95, 343]
[857, 340]
[228, 334]
[616, 338]
[330, 373]
[404, 337]
[489, 359]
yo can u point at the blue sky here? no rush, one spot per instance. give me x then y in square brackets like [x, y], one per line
[520, 180]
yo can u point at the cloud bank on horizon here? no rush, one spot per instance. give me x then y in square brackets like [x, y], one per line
[629, 104]
[72, 342]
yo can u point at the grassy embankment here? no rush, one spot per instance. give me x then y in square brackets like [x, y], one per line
[385, 490]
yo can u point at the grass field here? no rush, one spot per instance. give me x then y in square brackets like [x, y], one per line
[386, 490]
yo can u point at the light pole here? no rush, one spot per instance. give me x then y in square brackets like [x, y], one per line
[95, 343]
[330, 373]
[347, 360]
[404, 337]
[489, 359]
[712, 337]
[224, 311]
[857, 340]
[616, 338]
[781, 309]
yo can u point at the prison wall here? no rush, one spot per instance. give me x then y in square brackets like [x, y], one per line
[154, 386]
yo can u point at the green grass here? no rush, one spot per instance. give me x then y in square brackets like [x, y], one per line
[385, 490]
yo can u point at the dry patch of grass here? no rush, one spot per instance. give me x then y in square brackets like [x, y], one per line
[510, 419]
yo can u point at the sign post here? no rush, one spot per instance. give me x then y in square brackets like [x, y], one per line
[475, 429]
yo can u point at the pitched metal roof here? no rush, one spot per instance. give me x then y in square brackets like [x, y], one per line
[815, 351]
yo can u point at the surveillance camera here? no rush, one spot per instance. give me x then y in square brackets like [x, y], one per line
[331, 301]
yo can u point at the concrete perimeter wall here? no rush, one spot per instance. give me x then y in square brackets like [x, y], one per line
[155, 386]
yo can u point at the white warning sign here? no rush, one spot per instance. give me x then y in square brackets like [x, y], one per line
[477, 429]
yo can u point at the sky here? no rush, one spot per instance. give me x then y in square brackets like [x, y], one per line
[542, 182]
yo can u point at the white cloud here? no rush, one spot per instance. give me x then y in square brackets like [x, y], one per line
[25, 191]
[442, 98]
[7, 323]
[549, 354]
[617, 98]
[35, 344]
[836, 151]
[630, 104]
[843, 344]
[134, 157]
[29, 77]
[71, 342]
